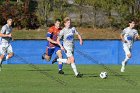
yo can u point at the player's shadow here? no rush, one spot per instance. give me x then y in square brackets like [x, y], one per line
[84, 75]
[120, 75]
[68, 74]
[91, 75]
[44, 70]
[96, 75]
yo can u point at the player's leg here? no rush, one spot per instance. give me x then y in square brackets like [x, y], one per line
[60, 64]
[73, 66]
[60, 59]
[10, 52]
[47, 56]
[2, 53]
[63, 60]
[1, 58]
[127, 57]
[72, 62]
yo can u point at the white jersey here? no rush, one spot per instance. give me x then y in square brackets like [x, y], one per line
[5, 47]
[68, 36]
[5, 30]
[129, 35]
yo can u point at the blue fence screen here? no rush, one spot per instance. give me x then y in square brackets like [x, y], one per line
[92, 52]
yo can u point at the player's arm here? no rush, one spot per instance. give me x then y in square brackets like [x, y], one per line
[50, 40]
[79, 36]
[136, 35]
[3, 31]
[49, 34]
[59, 43]
[122, 37]
[4, 35]
[58, 39]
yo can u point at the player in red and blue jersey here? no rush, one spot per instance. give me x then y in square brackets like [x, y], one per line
[52, 46]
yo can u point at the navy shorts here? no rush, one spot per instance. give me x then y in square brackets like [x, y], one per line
[50, 51]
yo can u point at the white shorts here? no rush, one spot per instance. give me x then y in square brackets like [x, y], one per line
[69, 51]
[5, 48]
[127, 49]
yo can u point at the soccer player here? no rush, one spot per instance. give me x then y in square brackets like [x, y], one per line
[5, 37]
[68, 33]
[128, 36]
[52, 46]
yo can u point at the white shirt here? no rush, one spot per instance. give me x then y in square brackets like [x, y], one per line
[68, 36]
[5, 30]
[129, 35]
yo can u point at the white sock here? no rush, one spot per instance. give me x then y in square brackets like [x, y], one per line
[62, 60]
[125, 60]
[73, 66]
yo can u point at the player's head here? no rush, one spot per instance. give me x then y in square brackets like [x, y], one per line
[131, 23]
[67, 22]
[9, 21]
[57, 23]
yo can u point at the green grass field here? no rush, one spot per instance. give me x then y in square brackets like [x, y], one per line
[44, 79]
[95, 33]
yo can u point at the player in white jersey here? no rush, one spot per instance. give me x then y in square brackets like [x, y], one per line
[5, 46]
[68, 33]
[128, 36]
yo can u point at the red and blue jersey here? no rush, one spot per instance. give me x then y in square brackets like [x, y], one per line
[52, 33]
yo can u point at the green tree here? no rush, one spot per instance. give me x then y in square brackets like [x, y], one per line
[42, 11]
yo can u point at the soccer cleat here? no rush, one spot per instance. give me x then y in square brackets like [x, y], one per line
[55, 60]
[122, 69]
[43, 56]
[61, 72]
[79, 75]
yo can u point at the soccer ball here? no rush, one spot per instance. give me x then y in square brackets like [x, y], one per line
[103, 75]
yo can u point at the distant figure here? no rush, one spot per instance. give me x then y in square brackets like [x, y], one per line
[68, 33]
[128, 36]
[5, 46]
[52, 46]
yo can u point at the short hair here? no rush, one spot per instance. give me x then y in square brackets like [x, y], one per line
[66, 19]
[132, 20]
[59, 20]
[9, 18]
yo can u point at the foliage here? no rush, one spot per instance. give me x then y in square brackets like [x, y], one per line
[19, 11]
[94, 13]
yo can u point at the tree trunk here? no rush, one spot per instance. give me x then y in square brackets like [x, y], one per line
[94, 17]
[81, 14]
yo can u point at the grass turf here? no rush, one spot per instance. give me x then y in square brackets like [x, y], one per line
[45, 79]
[87, 33]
